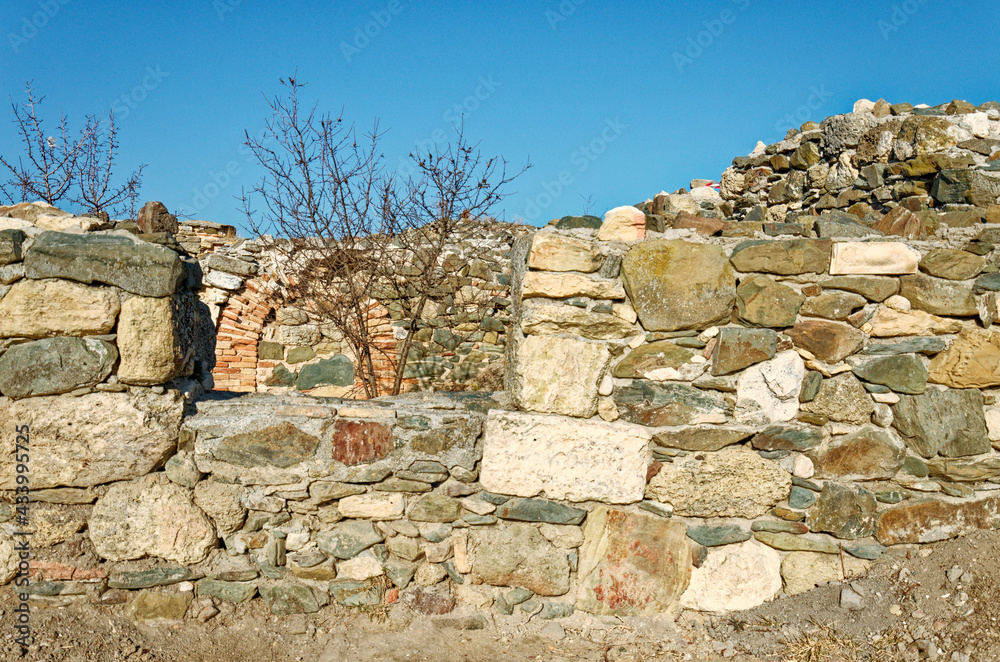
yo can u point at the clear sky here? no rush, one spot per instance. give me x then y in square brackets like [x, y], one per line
[610, 101]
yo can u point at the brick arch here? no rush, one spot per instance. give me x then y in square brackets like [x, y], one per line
[241, 322]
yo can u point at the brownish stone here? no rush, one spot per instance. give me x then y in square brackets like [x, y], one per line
[866, 454]
[931, 520]
[706, 226]
[279, 445]
[903, 223]
[828, 341]
[356, 442]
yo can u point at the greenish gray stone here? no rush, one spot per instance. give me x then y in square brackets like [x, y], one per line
[478, 520]
[833, 223]
[281, 376]
[786, 438]
[282, 445]
[867, 551]
[952, 264]
[789, 542]
[285, 599]
[436, 508]
[323, 492]
[453, 573]
[651, 356]
[396, 484]
[846, 511]
[842, 398]
[519, 595]
[350, 593]
[779, 526]
[348, 538]
[300, 354]
[708, 438]
[873, 288]
[55, 365]
[502, 606]
[235, 592]
[270, 351]
[832, 304]
[335, 371]
[713, 536]
[137, 579]
[436, 531]
[893, 495]
[137, 267]
[786, 257]
[801, 498]
[762, 301]
[903, 373]
[10, 246]
[737, 348]
[938, 296]
[806, 483]
[674, 284]
[987, 283]
[662, 404]
[965, 469]
[965, 186]
[399, 573]
[957, 490]
[540, 510]
[495, 499]
[810, 386]
[574, 222]
[946, 421]
[926, 346]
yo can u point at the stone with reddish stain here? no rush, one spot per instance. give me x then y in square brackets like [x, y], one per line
[739, 348]
[632, 564]
[828, 341]
[281, 445]
[868, 454]
[356, 442]
[931, 520]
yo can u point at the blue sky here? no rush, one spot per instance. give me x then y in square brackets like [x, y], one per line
[610, 101]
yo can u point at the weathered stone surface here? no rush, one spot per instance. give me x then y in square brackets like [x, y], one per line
[827, 340]
[972, 361]
[732, 482]
[888, 323]
[334, 371]
[436, 508]
[734, 577]
[842, 398]
[903, 373]
[563, 285]
[285, 599]
[938, 296]
[786, 438]
[769, 391]
[47, 308]
[9, 558]
[655, 404]
[881, 257]
[556, 252]
[632, 565]
[952, 264]
[966, 186]
[873, 288]
[946, 421]
[10, 246]
[540, 510]
[738, 348]
[528, 454]
[931, 520]
[150, 342]
[135, 266]
[846, 511]
[55, 365]
[221, 502]
[281, 445]
[546, 319]
[235, 592]
[964, 469]
[373, 506]
[542, 383]
[832, 304]
[787, 257]
[675, 284]
[573, 222]
[928, 346]
[150, 516]
[868, 454]
[154, 217]
[158, 606]
[760, 301]
[93, 439]
[705, 438]
[300, 335]
[360, 442]
[714, 536]
[789, 542]
[803, 571]
[517, 555]
[662, 354]
[623, 224]
[349, 538]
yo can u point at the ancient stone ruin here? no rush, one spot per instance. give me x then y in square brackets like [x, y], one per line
[712, 398]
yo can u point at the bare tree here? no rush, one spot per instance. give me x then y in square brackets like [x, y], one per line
[324, 197]
[350, 235]
[94, 164]
[46, 170]
[450, 201]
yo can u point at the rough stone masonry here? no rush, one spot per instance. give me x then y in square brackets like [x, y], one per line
[713, 398]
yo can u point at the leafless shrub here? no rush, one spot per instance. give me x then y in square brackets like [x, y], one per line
[94, 166]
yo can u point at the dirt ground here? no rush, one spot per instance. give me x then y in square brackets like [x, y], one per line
[913, 608]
